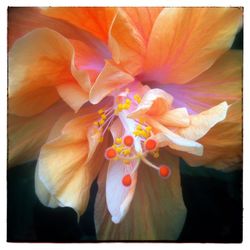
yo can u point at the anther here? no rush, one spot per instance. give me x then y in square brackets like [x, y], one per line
[150, 145]
[164, 171]
[128, 140]
[126, 180]
[110, 153]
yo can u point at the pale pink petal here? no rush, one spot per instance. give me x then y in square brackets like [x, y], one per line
[118, 196]
[166, 137]
[154, 102]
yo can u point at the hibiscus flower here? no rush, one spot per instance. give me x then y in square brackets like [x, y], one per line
[120, 94]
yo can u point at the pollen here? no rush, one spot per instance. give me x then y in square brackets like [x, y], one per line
[118, 140]
[103, 116]
[164, 171]
[137, 98]
[126, 180]
[101, 122]
[128, 140]
[110, 153]
[150, 145]
[100, 111]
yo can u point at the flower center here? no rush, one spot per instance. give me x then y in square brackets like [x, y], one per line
[136, 144]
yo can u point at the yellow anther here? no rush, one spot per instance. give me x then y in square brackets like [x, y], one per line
[101, 122]
[120, 107]
[119, 150]
[137, 98]
[156, 154]
[138, 127]
[148, 128]
[100, 111]
[141, 120]
[101, 139]
[118, 140]
[103, 116]
[128, 101]
[126, 161]
[95, 123]
[126, 106]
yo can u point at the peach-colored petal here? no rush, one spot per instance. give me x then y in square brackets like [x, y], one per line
[174, 118]
[109, 79]
[154, 102]
[126, 43]
[222, 144]
[200, 124]
[166, 137]
[222, 82]
[95, 20]
[36, 69]
[43, 194]
[184, 42]
[118, 196]
[157, 211]
[73, 95]
[66, 167]
[26, 135]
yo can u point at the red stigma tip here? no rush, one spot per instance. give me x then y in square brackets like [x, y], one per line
[110, 153]
[128, 140]
[164, 171]
[150, 145]
[126, 180]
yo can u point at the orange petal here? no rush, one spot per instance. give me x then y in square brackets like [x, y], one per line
[200, 124]
[66, 167]
[27, 135]
[192, 40]
[25, 19]
[157, 211]
[155, 102]
[166, 137]
[143, 19]
[95, 20]
[222, 144]
[109, 79]
[126, 43]
[36, 69]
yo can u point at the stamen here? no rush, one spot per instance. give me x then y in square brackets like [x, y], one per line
[110, 153]
[164, 171]
[127, 180]
[128, 140]
[150, 144]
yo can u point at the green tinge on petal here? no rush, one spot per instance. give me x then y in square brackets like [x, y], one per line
[157, 211]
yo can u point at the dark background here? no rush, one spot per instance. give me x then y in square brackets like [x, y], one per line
[213, 200]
